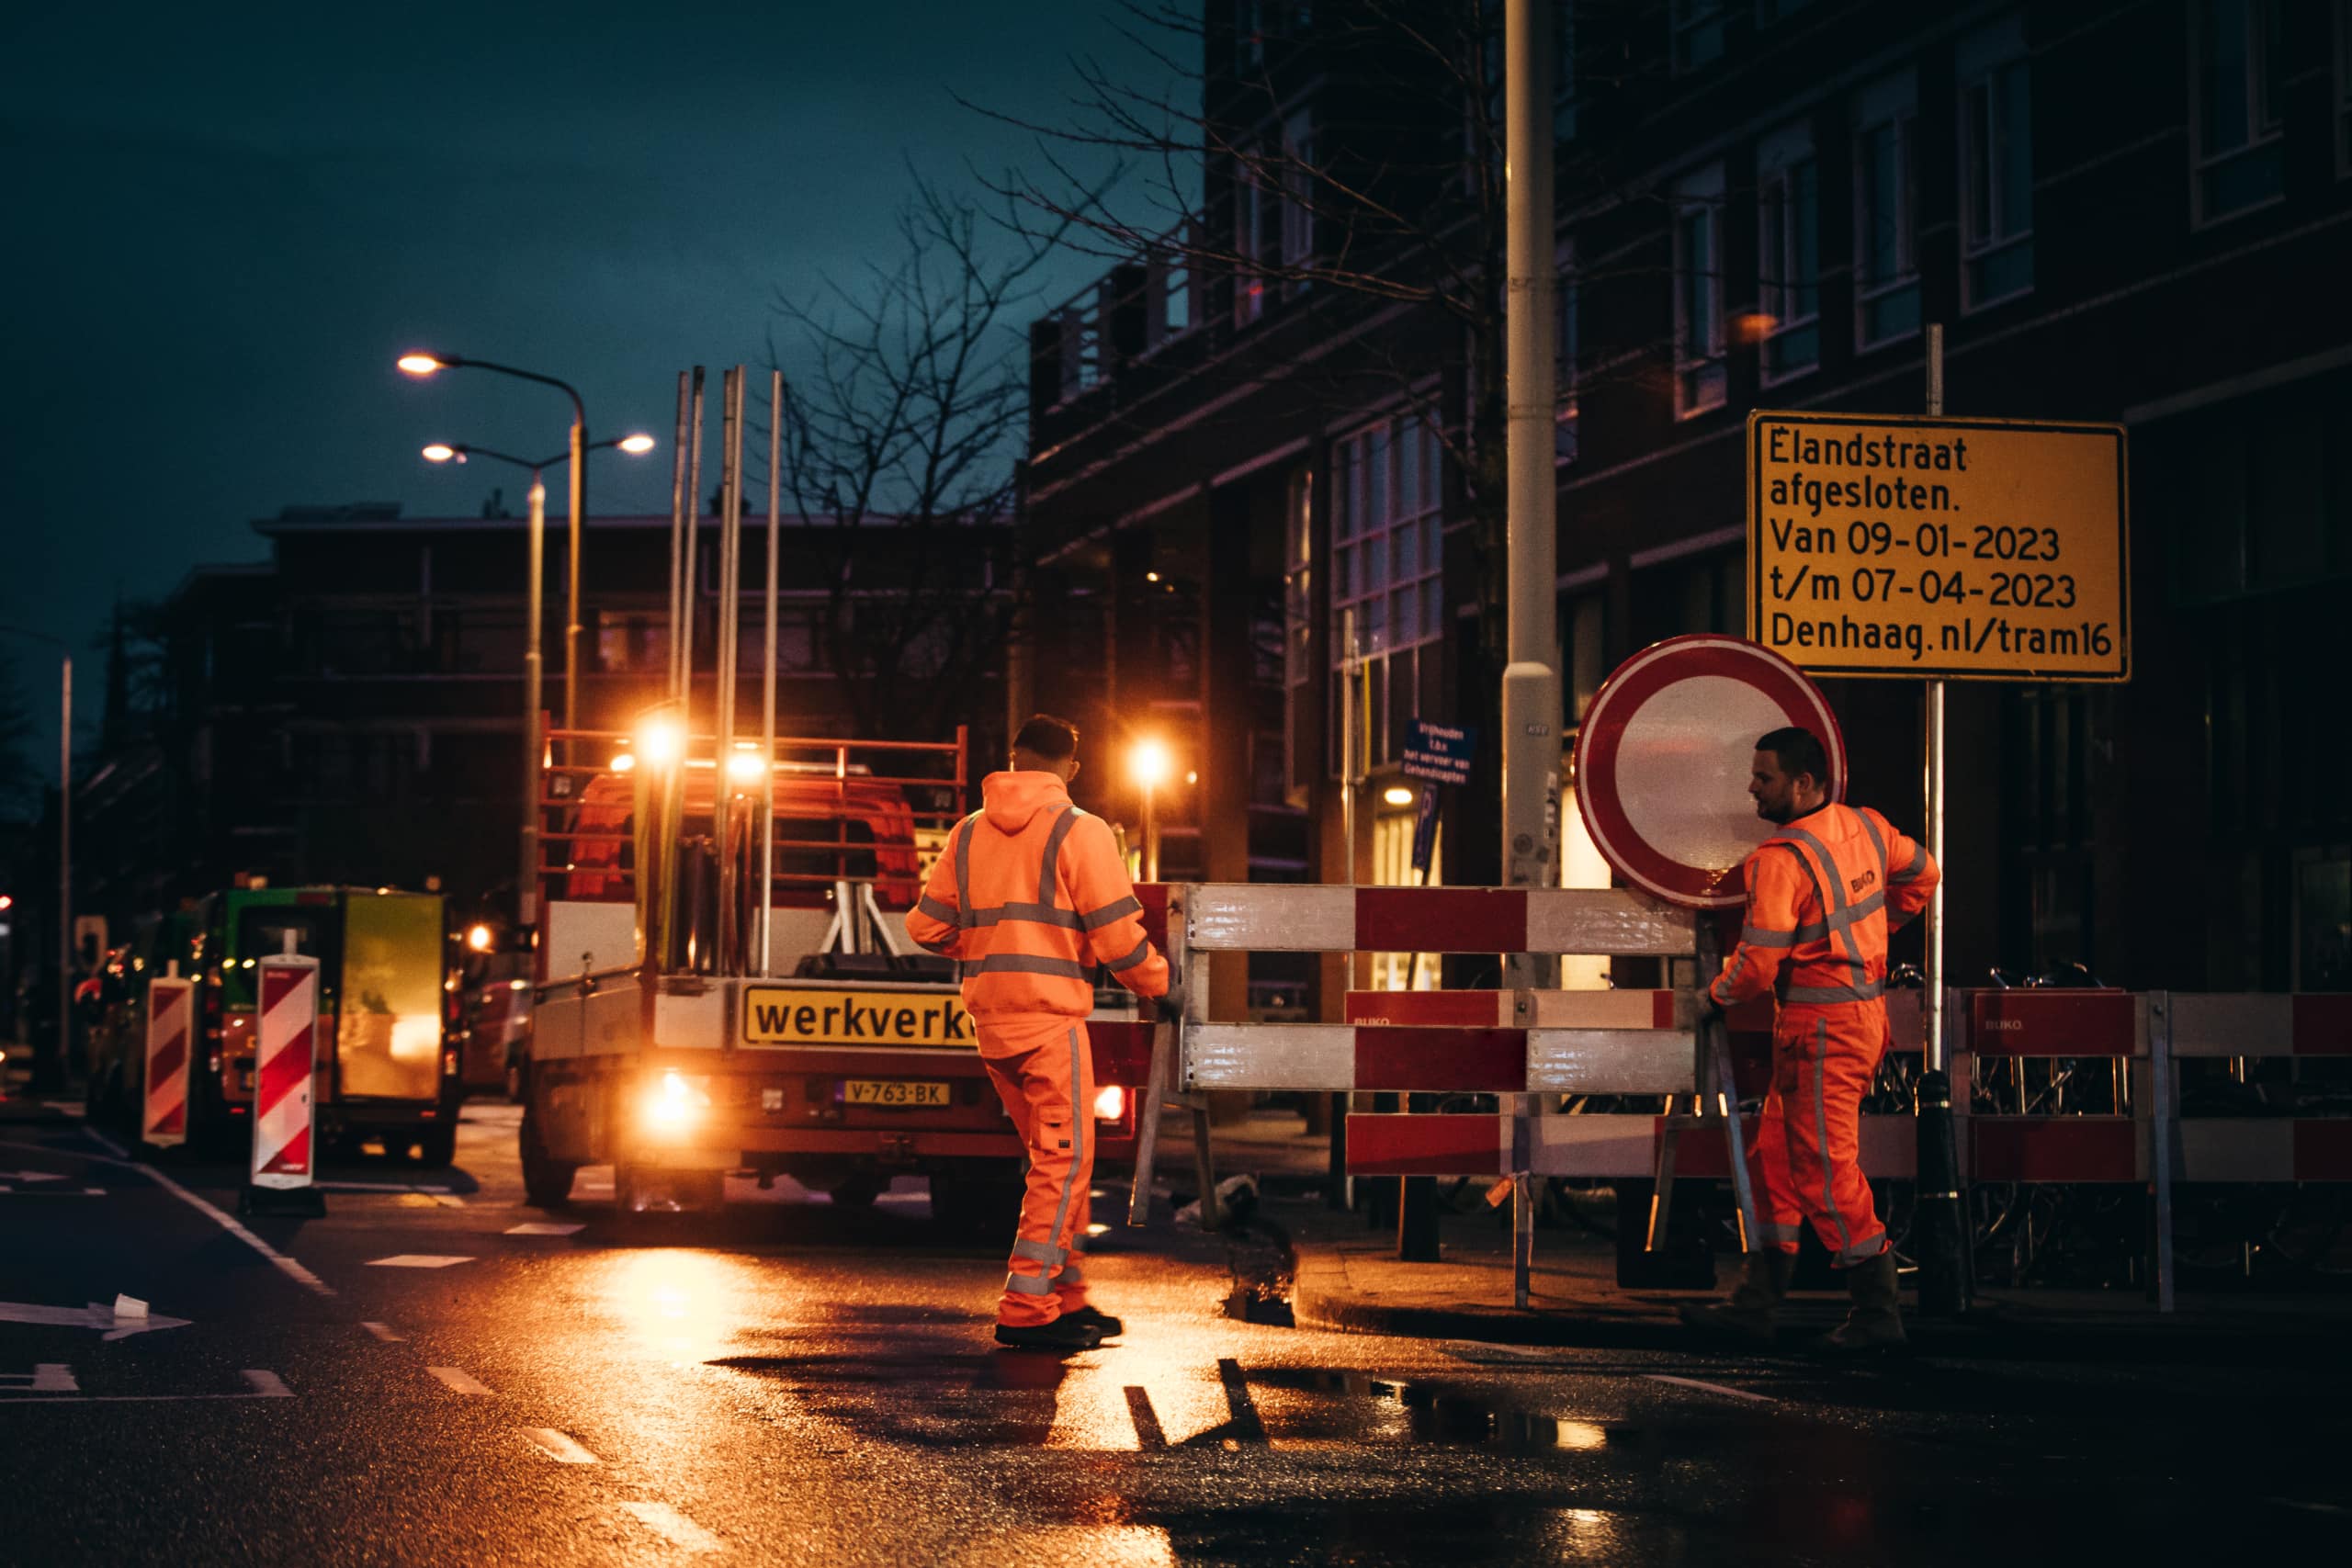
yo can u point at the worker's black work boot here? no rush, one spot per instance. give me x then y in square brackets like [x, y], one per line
[1101, 1322]
[1064, 1334]
[1876, 1321]
[1746, 1317]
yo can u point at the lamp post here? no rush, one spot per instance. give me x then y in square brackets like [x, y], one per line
[64, 852]
[1151, 765]
[527, 884]
[421, 365]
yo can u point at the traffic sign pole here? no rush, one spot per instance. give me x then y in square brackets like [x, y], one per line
[1941, 1214]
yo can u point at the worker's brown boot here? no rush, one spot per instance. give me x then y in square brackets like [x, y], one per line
[1746, 1315]
[1876, 1321]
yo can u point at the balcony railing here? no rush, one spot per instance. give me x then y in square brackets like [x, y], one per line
[1135, 311]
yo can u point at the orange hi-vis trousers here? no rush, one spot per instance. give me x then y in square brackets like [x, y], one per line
[1043, 1067]
[1806, 1163]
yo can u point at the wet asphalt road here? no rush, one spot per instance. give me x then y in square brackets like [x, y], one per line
[802, 1383]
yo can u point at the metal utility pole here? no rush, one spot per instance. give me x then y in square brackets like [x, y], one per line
[527, 890]
[571, 583]
[1531, 694]
[64, 865]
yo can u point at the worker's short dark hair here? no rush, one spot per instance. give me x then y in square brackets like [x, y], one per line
[1799, 752]
[1048, 737]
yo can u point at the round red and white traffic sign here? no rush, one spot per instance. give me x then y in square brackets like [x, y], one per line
[1664, 755]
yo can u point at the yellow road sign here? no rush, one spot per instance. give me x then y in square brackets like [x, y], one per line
[1963, 549]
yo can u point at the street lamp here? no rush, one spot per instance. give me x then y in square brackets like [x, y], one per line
[64, 849]
[1151, 764]
[527, 888]
[422, 363]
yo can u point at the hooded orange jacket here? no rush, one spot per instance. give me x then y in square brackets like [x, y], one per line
[1030, 895]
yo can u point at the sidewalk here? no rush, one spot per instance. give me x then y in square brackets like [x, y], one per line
[1347, 1277]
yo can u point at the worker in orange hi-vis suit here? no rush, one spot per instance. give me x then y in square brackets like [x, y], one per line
[1030, 893]
[1821, 894]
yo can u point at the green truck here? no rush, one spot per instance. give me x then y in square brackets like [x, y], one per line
[387, 1068]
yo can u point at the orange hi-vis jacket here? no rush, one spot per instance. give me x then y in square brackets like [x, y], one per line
[1030, 895]
[1818, 893]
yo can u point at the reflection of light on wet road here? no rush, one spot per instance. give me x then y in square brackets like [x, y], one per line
[1099, 1546]
[682, 1304]
[1582, 1533]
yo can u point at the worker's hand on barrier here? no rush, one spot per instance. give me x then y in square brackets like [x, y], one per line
[1169, 1006]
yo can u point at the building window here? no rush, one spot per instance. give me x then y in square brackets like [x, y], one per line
[1699, 380]
[1249, 34]
[1583, 622]
[2236, 55]
[1386, 587]
[1568, 326]
[1699, 32]
[1298, 634]
[1886, 263]
[1386, 538]
[1297, 218]
[1996, 167]
[632, 641]
[1788, 227]
[1249, 238]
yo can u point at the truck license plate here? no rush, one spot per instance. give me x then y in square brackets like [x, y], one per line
[895, 1092]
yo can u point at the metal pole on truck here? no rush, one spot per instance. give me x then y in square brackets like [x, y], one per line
[680, 519]
[1941, 1218]
[726, 774]
[1531, 694]
[767, 677]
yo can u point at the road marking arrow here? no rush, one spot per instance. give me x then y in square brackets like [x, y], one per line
[97, 1315]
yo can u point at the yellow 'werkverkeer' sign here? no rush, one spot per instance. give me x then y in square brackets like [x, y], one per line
[785, 1015]
[1992, 549]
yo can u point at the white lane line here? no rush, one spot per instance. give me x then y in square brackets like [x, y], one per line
[457, 1381]
[385, 1331]
[543, 1227]
[285, 1265]
[557, 1446]
[674, 1527]
[1712, 1388]
[417, 1261]
[266, 1384]
[377, 1187]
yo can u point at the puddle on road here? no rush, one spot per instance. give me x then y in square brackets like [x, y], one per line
[1315, 1404]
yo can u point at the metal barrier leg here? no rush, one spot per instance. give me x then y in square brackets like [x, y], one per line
[2163, 1137]
[1155, 1096]
[1662, 1189]
[1212, 1206]
[1522, 1236]
[1718, 1045]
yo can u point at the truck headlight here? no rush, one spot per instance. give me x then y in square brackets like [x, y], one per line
[674, 1103]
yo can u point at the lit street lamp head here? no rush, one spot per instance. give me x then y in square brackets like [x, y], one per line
[636, 446]
[1150, 763]
[442, 452]
[424, 364]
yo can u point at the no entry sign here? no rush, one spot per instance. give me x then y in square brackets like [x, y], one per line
[1664, 755]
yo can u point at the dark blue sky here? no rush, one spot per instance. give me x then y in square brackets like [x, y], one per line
[225, 221]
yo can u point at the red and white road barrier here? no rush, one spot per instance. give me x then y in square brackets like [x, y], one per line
[285, 1064]
[171, 1004]
[1309, 918]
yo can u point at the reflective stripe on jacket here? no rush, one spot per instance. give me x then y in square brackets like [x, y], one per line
[1818, 896]
[1030, 895]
